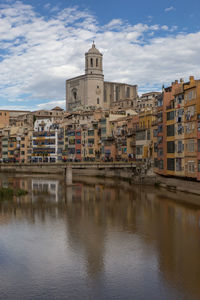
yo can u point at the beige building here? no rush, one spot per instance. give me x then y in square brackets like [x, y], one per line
[90, 90]
[147, 101]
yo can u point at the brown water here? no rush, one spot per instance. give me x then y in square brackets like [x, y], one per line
[98, 240]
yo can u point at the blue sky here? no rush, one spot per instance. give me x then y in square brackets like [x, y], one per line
[42, 43]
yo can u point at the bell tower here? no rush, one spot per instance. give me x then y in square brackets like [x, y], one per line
[93, 61]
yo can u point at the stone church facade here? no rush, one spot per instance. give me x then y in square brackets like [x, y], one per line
[90, 90]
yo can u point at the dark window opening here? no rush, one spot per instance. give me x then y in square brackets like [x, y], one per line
[170, 130]
[170, 147]
[170, 164]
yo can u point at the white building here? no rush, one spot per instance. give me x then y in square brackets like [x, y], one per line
[47, 141]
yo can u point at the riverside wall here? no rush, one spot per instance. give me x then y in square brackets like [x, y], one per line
[145, 177]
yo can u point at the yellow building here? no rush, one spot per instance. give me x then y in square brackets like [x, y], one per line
[144, 135]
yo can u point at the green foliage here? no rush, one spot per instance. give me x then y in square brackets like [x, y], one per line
[9, 193]
[21, 192]
[6, 193]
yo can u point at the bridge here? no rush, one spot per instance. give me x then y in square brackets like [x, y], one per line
[106, 169]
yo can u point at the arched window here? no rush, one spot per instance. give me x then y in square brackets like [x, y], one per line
[96, 62]
[91, 62]
[74, 94]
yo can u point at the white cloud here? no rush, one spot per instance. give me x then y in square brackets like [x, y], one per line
[38, 54]
[167, 9]
[165, 27]
[52, 104]
[115, 23]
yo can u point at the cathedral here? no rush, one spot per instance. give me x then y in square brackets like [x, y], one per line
[90, 89]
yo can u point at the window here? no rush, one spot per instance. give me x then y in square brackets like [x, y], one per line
[140, 135]
[78, 142]
[189, 127]
[170, 115]
[198, 143]
[90, 142]
[71, 150]
[78, 151]
[191, 166]
[97, 100]
[148, 135]
[128, 92]
[170, 147]
[160, 128]
[96, 62]
[90, 151]
[160, 117]
[180, 129]
[139, 150]
[117, 93]
[105, 96]
[155, 132]
[160, 164]
[198, 165]
[72, 141]
[170, 164]
[178, 164]
[160, 152]
[180, 147]
[91, 62]
[90, 132]
[191, 145]
[170, 130]
[160, 140]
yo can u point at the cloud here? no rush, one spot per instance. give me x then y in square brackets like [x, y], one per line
[37, 53]
[52, 104]
[169, 8]
[115, 23]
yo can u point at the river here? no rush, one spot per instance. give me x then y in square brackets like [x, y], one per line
[98, 239]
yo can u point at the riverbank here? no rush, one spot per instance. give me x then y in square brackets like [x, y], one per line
[143, 177]
[179, 185]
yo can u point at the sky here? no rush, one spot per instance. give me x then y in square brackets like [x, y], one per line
[43, 43]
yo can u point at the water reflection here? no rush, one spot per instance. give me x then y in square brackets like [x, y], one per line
[127, 240]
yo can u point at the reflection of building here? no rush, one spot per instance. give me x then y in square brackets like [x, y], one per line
[91, 90]
[45, 186]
